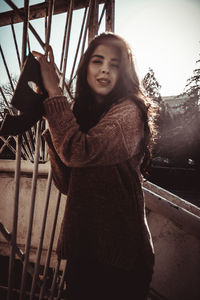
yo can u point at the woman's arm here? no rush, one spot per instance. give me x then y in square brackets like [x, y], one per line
[60, 172]
[116, 138]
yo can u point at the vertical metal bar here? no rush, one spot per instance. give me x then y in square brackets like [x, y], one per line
[6, 67]
[28, 43]
[101, 17]
[50, 13]
[110, 14]
[43, 148]
[15, 218]
[86, 27]
[32, 207]
[42, 291]
[17, 181]
[62, 282]
[25, 29]
[53, 286]
[78, 46]
[39, 251]
[93, 22]
[64, 37]
[15, 41]
[24, 51]
[67, 43]
[45, 21]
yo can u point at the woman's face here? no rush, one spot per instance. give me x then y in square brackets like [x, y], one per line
[103, 70]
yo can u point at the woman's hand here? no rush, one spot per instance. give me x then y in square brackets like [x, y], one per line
[48, 72]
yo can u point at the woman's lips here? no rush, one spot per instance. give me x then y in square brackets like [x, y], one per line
[103, 81]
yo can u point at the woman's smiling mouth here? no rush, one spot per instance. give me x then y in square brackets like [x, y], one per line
[103, 81]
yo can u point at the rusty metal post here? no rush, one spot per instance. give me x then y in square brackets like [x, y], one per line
[39, 250]
[25, 30]
[15, 219]
[53, 286]
[93, 21]
[50, 13]
[78, 46]
[17, 177]
[62, 282]
[65, 35]
[32, 207]
[110, 14]
[86, 27]
[46, 268]
[102, 14]
[70, 12]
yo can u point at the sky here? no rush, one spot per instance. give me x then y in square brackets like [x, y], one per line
[163, 34]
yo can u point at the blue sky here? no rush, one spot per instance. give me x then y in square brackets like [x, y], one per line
[164, 36]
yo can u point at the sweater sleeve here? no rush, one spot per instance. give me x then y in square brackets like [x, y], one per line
[116, 138]
[60, 172]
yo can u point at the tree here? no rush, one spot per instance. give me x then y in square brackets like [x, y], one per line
[6, 94]
[152, 90]
[192, 87]
[151, 86]
[182, 140]
[192, 113]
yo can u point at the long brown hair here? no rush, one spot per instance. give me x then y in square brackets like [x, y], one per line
[88, 112]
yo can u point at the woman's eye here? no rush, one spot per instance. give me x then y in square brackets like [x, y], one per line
[115, 66]
[96, 61]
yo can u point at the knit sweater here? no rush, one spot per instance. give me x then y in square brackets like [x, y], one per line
[104, 217]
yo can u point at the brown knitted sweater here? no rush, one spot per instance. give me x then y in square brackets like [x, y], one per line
[99, 171]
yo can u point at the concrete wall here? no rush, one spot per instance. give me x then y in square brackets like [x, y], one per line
[174, 223]
[7, 189]
[177, 260]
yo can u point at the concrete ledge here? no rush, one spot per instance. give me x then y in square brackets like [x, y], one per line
[172, 198]
[184, 219]
[8, 166]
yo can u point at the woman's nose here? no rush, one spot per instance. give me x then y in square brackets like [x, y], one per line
[105, 69]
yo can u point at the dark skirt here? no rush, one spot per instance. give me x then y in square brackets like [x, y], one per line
[89, 280]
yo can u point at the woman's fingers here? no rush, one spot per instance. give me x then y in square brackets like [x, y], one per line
[45, 57]
[38, 55]
[49, 53]
[48, 71]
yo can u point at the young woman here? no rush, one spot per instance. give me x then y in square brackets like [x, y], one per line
[97, 152]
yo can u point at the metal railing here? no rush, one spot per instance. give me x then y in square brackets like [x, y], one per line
[30, 145]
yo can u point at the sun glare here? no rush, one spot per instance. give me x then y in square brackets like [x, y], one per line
[164, 36]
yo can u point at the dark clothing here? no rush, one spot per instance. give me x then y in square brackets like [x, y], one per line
[97, 228]
[104, 219]
[93, 281]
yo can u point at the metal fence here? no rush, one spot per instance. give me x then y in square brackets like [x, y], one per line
[31, 146]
